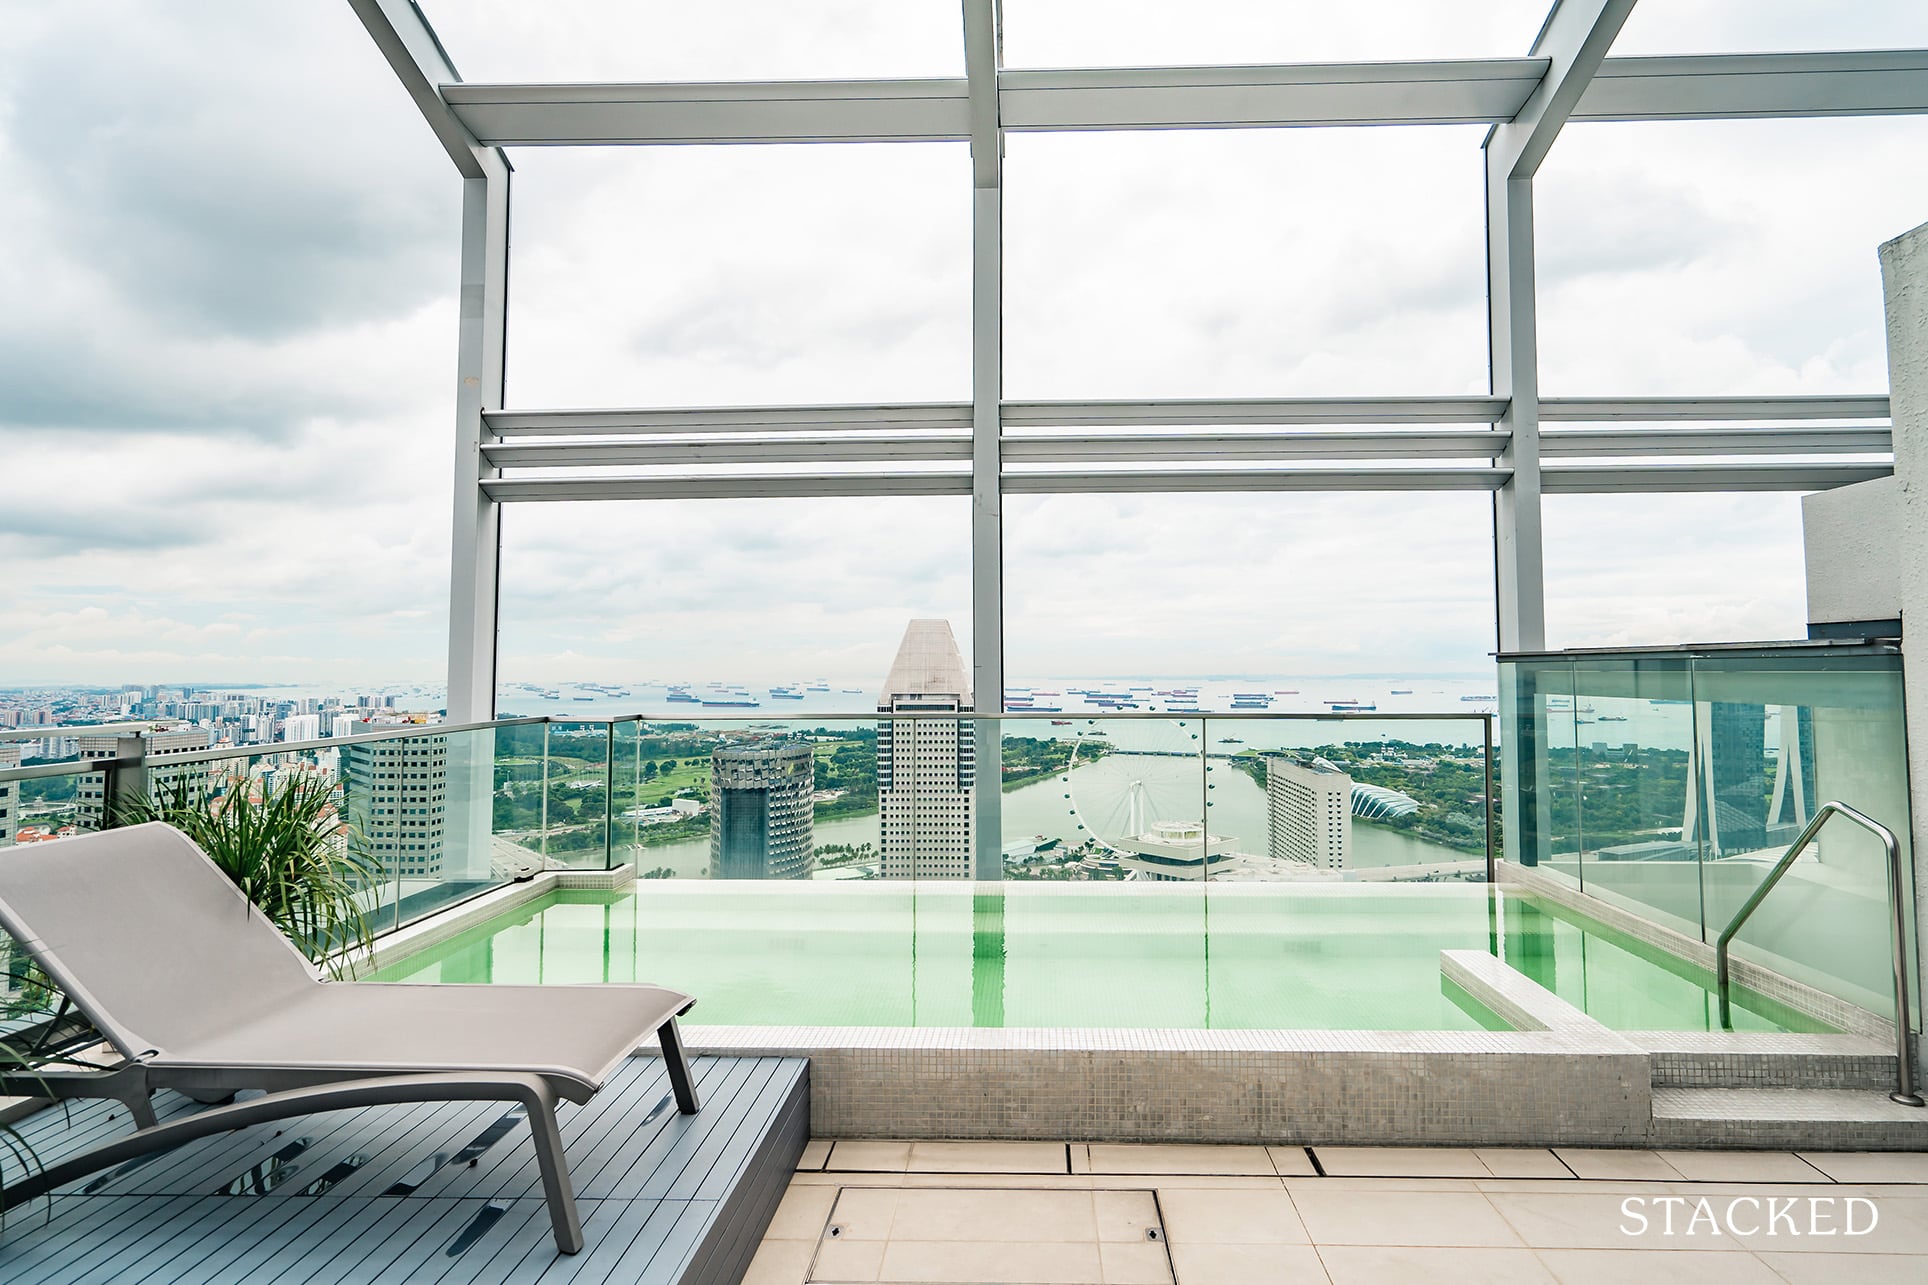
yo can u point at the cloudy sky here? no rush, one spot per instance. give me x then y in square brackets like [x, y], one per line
[227, 350]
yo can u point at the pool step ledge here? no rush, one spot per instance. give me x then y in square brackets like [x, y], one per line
[1787, 1119]
[1761, 1060]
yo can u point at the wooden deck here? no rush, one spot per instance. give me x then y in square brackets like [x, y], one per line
[446, 1193]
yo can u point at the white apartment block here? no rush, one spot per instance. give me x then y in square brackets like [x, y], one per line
[926, 767]
[301, 727]
[1308, 813]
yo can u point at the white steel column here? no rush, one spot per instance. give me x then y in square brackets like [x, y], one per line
[1519, 566]
[1574, 40]
[476, 541]
[983, 51]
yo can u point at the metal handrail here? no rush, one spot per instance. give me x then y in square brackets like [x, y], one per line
[1904, 1069]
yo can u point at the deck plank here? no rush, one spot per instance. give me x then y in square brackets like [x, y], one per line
[658, 1191]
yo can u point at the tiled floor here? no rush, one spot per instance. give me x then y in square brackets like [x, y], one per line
[1029, 1213]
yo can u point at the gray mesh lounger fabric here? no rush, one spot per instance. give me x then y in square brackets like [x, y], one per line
[199, 990]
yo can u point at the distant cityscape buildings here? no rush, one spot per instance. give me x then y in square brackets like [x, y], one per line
[926, 767]
[1308, 809]
[761, 811]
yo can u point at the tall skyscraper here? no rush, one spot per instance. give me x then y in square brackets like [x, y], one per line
[1308, 813]
[926, 767]
[396, 795]
[761, 812]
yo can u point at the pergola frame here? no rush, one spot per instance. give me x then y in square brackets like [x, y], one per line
[991, 447]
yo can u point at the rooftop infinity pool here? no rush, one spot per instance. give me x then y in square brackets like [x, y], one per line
[1244, 956]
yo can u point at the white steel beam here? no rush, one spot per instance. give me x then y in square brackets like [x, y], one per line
[727, 419]
[1386, 93]
[1557, 478]
[1574, 40]
[1650, 479]
[674, 451]
[1465, 444]
[1603, 443]
[1257, 411]
[983, 56]
[1753, 86]
[1280, 479]
[1653, 410]
[828, 111]
[1438, 92]
[418, 60]
[725, 486]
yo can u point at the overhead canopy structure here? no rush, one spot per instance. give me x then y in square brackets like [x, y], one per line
[1510, 442]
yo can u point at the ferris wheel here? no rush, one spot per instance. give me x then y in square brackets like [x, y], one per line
[1124, 776]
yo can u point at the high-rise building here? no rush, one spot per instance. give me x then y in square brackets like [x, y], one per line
[761, 812]
[1308, 809]
[9, 793]
[926, 767]
[301, 727]
[1732, 761]
[164, 781]
[396, 796]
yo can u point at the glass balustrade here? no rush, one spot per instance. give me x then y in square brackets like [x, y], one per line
[1668, 783]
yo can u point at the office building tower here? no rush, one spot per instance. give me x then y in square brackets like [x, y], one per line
[1308, 813]
[396, 796]
[926, 766]
[761, 812]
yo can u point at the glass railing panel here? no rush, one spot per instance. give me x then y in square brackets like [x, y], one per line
[1631, 725]
[518, 813]
[767, 799]
[1348, 799]
[625, 791]
[1104, 799]
[668, 802]
[1539, 769]
[1778, 737]
[578, 795]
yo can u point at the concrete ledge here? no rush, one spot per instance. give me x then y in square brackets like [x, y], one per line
[1434, 1088]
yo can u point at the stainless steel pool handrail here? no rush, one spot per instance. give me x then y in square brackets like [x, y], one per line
[1897, 931]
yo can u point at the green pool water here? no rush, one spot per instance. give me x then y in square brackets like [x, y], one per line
[1346, 957]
